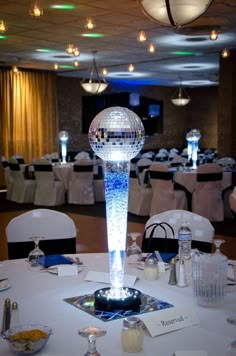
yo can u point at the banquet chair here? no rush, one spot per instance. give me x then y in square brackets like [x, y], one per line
[19, 159]
[202, 230]
[48, 191]
[8, 177]
[143, 165]
[139, 197]
[57, 229]
[82, 155]
[22, 189]
[232, 202]
[98, 183]
[207, 198]
[164, 196]
[80, 188]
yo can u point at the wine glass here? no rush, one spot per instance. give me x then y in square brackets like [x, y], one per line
[36, 255]
[218, 243]
[91, 333]
[134, 252]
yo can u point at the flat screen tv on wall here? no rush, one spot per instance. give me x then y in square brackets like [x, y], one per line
[149, 110]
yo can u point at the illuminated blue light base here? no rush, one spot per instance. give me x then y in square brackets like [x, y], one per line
[116, 178]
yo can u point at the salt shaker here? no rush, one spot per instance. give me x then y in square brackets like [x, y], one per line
[15, 318]
[182, 279]
[132, 334]
[151, 270]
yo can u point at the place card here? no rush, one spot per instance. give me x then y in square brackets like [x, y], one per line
[171, 319]
[191, 353]
[104, 277]
[67, 270]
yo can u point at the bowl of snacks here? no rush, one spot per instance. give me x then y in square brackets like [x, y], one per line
[27, 339]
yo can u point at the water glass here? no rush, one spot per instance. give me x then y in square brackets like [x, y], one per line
[209, 275]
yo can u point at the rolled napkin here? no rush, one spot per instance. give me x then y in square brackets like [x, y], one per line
[53, 260]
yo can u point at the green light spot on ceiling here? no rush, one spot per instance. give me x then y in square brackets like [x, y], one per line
[63, 7]
[44, 50]
[2, 37]
[183, 53]
[92, 35]
[65, 66]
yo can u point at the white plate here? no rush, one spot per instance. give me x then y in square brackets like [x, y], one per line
[54, 269]
[140, 265]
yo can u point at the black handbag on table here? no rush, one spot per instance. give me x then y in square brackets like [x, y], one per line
[157, 243]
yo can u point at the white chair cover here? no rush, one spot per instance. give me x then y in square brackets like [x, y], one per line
[164, 197]
[139, 197]
[98, 182]
[50, 224]
[80, 189]
[207, 199]
[202, 229]
[49, 192]
[82, 155]
[22, 190]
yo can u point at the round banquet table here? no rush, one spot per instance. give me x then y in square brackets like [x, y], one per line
[40, 297]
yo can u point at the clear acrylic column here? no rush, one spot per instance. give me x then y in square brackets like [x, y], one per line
[189, 145]
[63, 137]
[116, 135]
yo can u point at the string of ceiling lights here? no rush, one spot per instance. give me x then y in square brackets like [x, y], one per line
[176, 15]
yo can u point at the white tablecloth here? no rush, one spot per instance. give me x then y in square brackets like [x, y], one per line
[40, 298]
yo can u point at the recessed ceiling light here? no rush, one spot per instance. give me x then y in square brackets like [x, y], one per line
[44, 50]
[63, 7]
[93, 35]
[183, 53]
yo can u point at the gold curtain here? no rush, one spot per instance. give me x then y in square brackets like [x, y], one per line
[28, 113]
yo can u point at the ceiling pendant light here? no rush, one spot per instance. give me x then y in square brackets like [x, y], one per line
[36, 10]
[142, 36]
[3, 26]
[225, 53]
[70, 49]
[131, 68]
[180, 97]
[95, 84]
[151, 48]
[213, 35]
[174, 13]
[89, 24]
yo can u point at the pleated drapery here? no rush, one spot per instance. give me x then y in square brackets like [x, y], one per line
[28, 113]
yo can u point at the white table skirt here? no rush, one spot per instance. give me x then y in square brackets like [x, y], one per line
[40, 298]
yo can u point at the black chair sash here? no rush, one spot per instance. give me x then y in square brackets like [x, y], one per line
[20, 160]
[142, 168]
[161, 175]
[209, 177]
[43, 167]
[49, 247]
[5, 164]
[55, 160]
[14, 166]
[176, 164]
[83, 168]
[133, 174]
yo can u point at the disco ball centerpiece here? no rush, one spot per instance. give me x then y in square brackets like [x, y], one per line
[116, 135]
[193, 137]
[63, 137]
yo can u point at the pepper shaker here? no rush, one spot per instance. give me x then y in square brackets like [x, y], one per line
[172, 279]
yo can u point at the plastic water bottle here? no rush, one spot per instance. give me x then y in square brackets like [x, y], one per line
[185, 241]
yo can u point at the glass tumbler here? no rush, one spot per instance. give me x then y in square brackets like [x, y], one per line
[209, 275]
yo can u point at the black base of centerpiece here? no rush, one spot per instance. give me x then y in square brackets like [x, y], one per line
[130, 300]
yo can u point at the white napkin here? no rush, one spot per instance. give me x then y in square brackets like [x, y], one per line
[104, 277]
